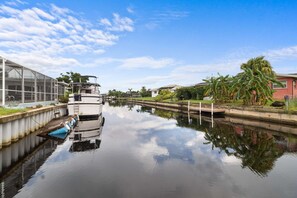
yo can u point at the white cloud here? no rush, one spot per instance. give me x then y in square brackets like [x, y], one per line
[130, 10]
[186, 75]
[43, 14]
[43, 62]
[150, 80]
[151, 25]
[99, 51]
[59, 11]
[105, 22]
[221, 67]
[53, 34]
[288, 52]
[189, 74]
[118, 24]
[172, 15]
[15, 3]
[165, 16]
[231, 160]
[146, 62]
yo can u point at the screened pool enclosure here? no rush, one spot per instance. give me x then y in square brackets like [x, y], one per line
[19, 84]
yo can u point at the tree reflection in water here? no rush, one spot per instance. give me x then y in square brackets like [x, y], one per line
[117, 103]
[257, 149]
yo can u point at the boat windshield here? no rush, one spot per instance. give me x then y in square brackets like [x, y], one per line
[89, 87]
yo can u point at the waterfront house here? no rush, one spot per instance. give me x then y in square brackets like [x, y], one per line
[21, 86]
[289, 86]
[155, 92]
[171, 88]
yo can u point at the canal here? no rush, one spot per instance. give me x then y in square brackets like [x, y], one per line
[147, 152]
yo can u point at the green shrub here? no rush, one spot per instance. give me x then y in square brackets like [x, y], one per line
[293, 104]
[164, 95]
[64, 99]
[39, 106]
[188, 93]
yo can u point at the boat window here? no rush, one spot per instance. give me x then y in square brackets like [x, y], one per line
[88, 91]
[77, 97]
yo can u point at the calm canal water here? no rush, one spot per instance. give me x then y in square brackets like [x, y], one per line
[147, 152]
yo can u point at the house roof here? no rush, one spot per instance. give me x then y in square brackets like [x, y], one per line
[200, 84]
[18, 66]
[169, 86]
[287, 75]
[154, 89]
[63, 83]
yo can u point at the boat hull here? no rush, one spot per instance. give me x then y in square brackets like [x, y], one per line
[85, 105]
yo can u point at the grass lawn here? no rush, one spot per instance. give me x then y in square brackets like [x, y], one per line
[175, 100]
[5, 111]
[145, 98]
[238, 103]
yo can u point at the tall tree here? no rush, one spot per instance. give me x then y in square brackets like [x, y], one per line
[219, 88]
[116, 93]
[72, 77]
[259, 64]
[130, 90]
[253, 84]
[144, 92]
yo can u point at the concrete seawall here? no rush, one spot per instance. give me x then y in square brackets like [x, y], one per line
[269, 115]
[277, 117]
[16, 126]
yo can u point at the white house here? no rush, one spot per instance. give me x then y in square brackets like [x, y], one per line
[171, 88]
[155, 92]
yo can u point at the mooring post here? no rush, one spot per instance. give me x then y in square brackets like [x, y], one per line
[188, 105]
[211, 108]
[212, 121]
[189, 118]
[200, 107]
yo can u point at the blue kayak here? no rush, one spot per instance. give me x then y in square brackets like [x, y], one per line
[62, 132]
[60, 136]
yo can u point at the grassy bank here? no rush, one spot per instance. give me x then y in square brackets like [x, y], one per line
[173, 100]
[291, 109]
[6, 111]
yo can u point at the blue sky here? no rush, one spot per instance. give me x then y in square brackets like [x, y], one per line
[130, 44]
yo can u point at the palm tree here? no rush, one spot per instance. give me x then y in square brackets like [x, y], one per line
[252, 85]
[130, 90]
[219, 88]
[259, 64]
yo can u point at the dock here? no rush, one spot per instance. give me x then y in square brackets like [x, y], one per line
[182, 106]
[51, 126]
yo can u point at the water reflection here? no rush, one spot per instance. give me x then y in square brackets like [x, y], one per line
[148, 152]
[257, 149]
[86, 135]
[21, 160]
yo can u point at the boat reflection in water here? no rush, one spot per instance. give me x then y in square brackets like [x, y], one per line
[86, 135]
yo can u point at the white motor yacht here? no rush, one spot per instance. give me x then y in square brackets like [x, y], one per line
[87, 101]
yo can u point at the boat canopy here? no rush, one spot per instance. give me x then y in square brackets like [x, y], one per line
[85, 84]
[89, 76]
